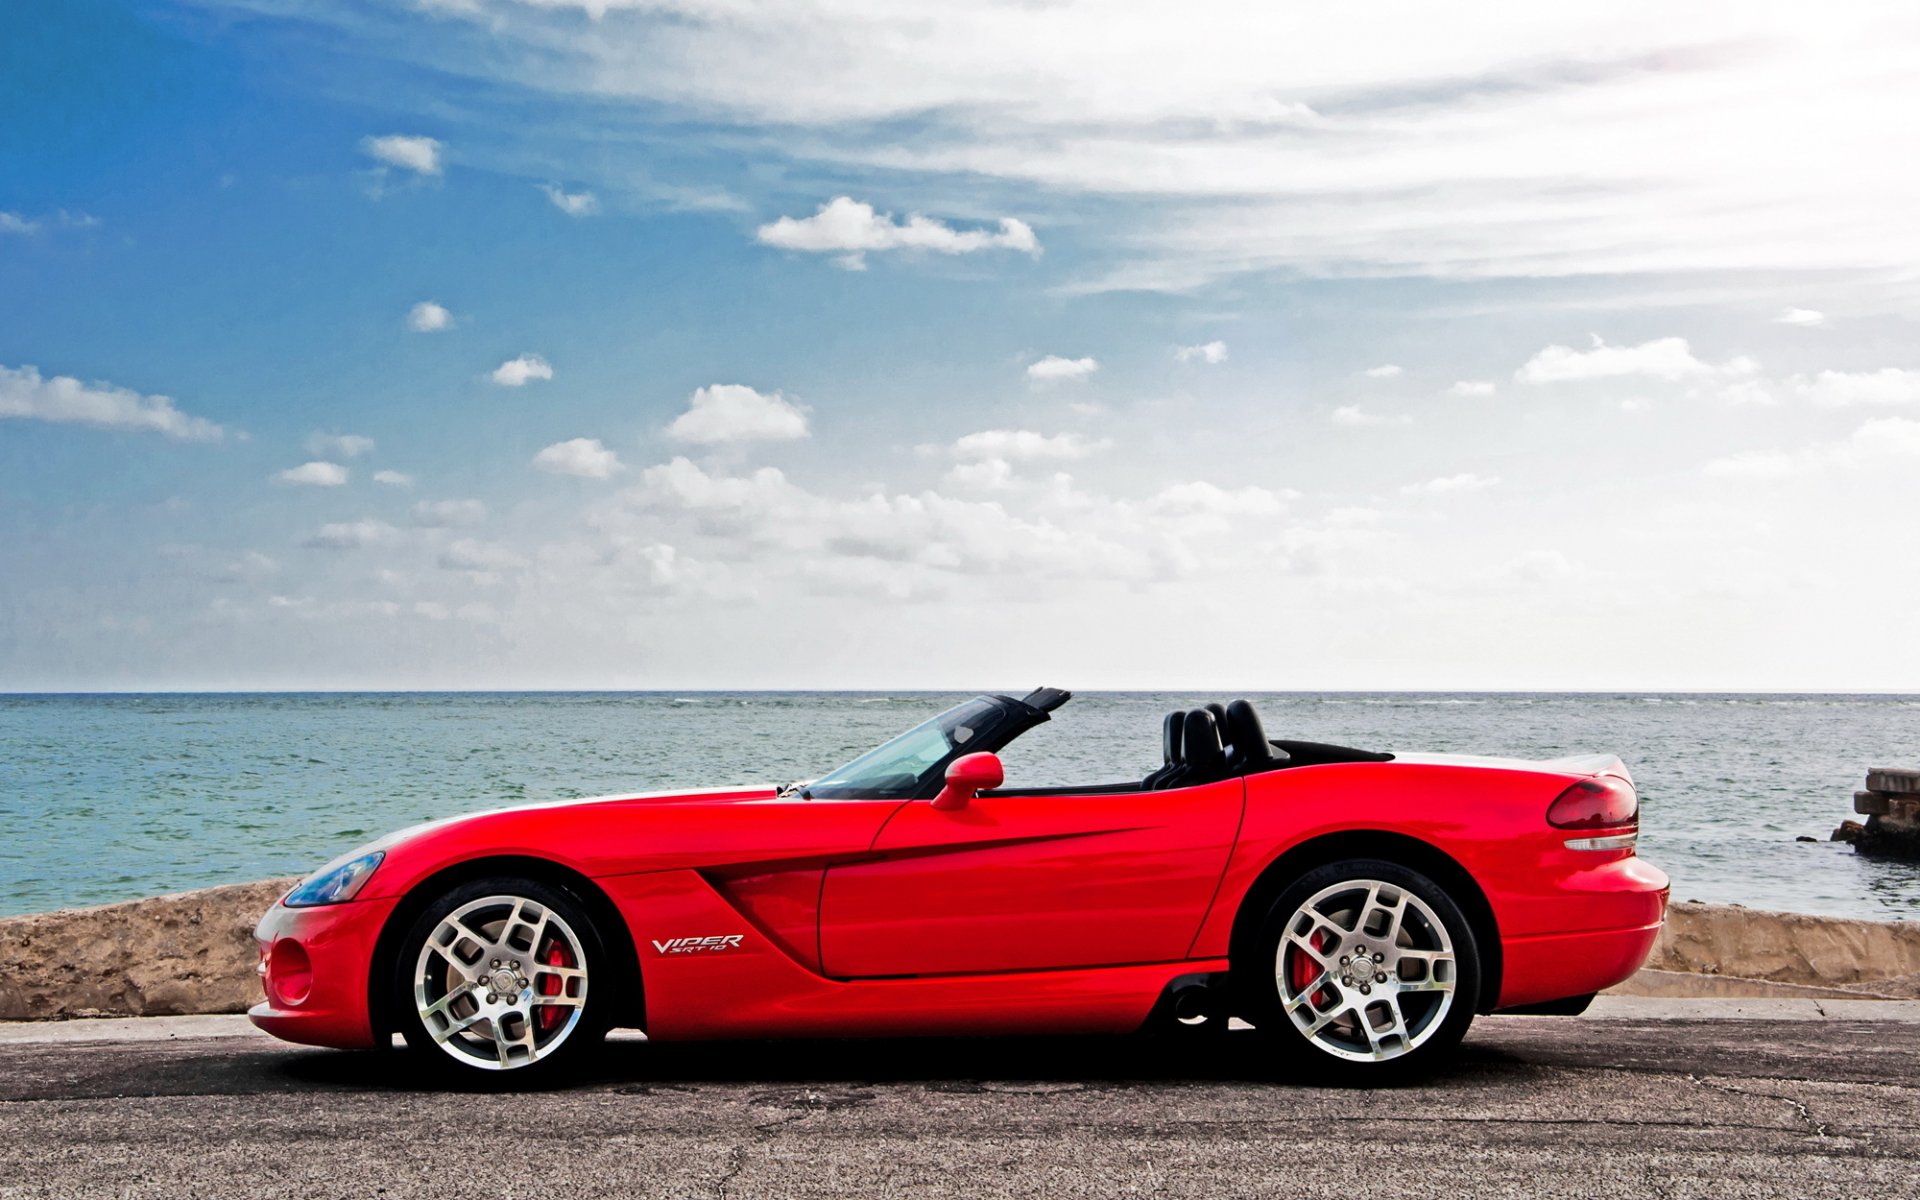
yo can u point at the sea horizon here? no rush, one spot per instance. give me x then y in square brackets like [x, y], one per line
[128, 794]
[935, 691]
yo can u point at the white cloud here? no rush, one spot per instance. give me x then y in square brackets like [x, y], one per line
[444, 514]
[249, 567]
[1353, 416]
[1746, 393]
[582, 457]
[516, 372]
[574, 204]
[1877, 442]
[731, 412]
[307, 608]
[852, 229]
[1806, 318]
[393, 478]
[1570, 141]
[62, 399]
[314, 474]
[352, 535]
[421, 155]
[1757, 464]
[428, 317]
[1384, 371]
[984, 461]
[1542, 566]
[1893, 437]
[340, 445]
[1055, 369]
[1662, 358]
[25, 226]
[1471, 387]
[1024, 445]
[682, 484]
[987, 474]
[1842, 389]
[471, 554]
[1451, 484]
[1207, 352]
[473, 611]
[758, 516]
[1213, 500]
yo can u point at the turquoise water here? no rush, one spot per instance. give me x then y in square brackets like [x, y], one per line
[111, 797]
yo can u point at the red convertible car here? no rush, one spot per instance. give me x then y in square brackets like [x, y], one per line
[1356, 908]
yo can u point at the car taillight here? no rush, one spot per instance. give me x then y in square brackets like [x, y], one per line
[1601, 803]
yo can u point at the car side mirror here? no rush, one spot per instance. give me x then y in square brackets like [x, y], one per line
[968, 775]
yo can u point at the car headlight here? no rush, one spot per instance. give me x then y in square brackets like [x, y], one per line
[335, 883]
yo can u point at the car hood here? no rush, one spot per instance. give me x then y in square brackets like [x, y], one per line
[694, 796]
[400, 839]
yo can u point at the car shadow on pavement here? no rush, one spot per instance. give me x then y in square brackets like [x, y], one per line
[956, 1064]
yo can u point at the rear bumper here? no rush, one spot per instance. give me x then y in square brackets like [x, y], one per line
[1622, 906]
[313, 964]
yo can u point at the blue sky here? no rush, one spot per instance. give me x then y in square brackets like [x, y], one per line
[861, 346]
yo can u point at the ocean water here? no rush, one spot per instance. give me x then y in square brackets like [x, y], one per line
[108, 798]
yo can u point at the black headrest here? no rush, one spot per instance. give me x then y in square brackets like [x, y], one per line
[1170, 731]
[1219, 712]
[1244, 732]
[1201, 742]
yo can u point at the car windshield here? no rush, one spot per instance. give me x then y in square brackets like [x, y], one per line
[903, 766]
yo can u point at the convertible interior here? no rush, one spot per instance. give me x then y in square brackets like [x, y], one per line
[1202, 745]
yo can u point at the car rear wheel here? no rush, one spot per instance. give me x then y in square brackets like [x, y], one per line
[494, 977]
[1366, 969]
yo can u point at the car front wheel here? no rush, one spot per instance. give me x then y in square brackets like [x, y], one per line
[494, 976]
[1365, 969]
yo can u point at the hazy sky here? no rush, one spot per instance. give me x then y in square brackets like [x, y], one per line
[841, 343]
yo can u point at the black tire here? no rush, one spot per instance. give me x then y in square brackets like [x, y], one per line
[524, 999]
[1331, 1011]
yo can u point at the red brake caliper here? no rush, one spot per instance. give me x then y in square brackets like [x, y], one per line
[1303, 969]
[552, 1015]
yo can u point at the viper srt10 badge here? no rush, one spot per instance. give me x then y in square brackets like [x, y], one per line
[700, 945]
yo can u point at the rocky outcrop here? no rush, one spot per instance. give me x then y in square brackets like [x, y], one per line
[1891, 805]
[194, 953]
[188, 953]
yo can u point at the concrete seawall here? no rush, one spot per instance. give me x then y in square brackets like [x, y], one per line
[187, 953]
[194, 953]
[1726, 942]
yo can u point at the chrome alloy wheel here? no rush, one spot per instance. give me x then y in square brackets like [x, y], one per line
[501, 982]
[1366, 970]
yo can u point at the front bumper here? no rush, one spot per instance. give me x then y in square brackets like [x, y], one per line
[314, 964]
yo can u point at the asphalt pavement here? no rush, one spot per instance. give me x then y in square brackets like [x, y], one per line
[1625, 1105]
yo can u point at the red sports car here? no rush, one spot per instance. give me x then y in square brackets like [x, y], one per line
[1357, 908]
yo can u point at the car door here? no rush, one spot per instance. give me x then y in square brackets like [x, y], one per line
[1014, 882]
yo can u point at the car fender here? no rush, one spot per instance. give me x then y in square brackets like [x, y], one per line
[1490, 821]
